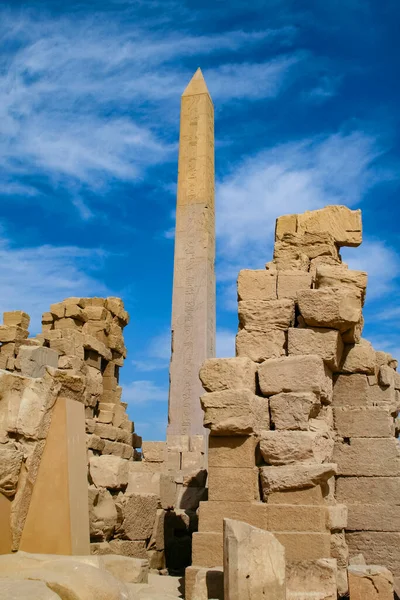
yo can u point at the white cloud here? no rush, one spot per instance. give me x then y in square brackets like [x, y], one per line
[156, 355]
[77, 96]
[32, 278]
[289, 178]
[144, 391]
[381, 262]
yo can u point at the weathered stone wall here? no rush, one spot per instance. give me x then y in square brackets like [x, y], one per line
[302, 420]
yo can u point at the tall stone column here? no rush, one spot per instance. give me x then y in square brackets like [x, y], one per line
[193, 302]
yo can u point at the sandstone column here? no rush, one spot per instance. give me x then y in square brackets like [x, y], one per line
[193, 302]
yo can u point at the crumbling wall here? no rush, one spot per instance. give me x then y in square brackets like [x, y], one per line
[306, 401]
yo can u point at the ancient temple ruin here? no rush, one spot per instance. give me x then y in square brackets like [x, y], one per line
[292, 493]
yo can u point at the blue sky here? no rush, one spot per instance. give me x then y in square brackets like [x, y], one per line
[306, 99]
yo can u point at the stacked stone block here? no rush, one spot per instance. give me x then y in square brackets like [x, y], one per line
[316, 401]
[13, 333]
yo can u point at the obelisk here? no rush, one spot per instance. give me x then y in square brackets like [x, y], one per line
[193, 300]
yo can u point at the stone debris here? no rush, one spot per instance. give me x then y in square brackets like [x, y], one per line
[370, 582]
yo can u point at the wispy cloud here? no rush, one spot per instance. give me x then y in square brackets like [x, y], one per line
[225, 343]
[143, 392]
[156, 355]
[32, 278]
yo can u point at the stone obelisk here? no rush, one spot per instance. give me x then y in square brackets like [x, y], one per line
[193, 301]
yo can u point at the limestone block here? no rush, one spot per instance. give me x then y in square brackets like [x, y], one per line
[341, 277]
[285, 447]
[116, 308]
[126, 569]
[106, 432]
[103, 515]
[359, 358]
[285, 224]
[380, 396]
[369, 422]
[207, 549]
[140, 480]
[90, 342]
[232, 451]
[119, 415]
[135, 549]
[386, 375]
[71, 386]
[292, 477]
[30, 402]
[118, 449]
[312, 579]
[326, 343]
[57, 310]
[263, 315]
[368, 490]
[254, 563]
[139, 516]
[157, 540]
[353, 335]
[367, 457]
[212, 514]
[370, 582]
[95, 313]
[16, 318]
[337, 517]
[292, 410]
[260, 345]
[234, 412]
[154, 452]
[208, 583]
[373, 517]
[240, 484]
[189, 498]
[73, 311]
[330, 307]
[197, 443]
[256, 285]
[191, 461]
[291, 282]
[350, 390]
[292, 246]
[285, 517]
[304, 496]
[94, 442]
[10, 333]
[108, 471]
[294, 374]
[11, 456]
[105, 416]
[342, 223]
[68, 323]
[219, 374]
[93, 301]
[304, 545]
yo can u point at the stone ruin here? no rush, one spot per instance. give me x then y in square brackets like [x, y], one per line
[303, 420]
[289, 492]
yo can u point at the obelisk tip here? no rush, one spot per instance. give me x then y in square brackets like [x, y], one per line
[197, 85]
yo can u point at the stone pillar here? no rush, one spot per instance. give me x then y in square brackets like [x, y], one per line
[193, 302]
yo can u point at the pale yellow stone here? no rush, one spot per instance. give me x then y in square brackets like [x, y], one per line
[291, 282]
[260, 345]
[234, 412]
[341, 222]
[263, 315]
[219, 374]
[254, 563]
[359, 358]
[327, 343]
[256, 285]
[330, 307]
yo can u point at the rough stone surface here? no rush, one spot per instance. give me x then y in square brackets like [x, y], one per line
[367, 457]
[260, 345]
[11, 456]
[285, 447]
[368, 422]
[109, 471]
[256, 285]
[234, 412]
[292, 477]
[294, 374]
[226, 484]
[292, 410]
[378, 548]
[339, 276]
[291, 282]
[219, 374]
[341, 222]
[368, 490]
[330, 307]
[127, 569]
[359, 358]
[312, 579]
[20, 589]
[326, 343]
[254, 563]
[263, 315]
[139, 516]
[370, 582]
[350, 390]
